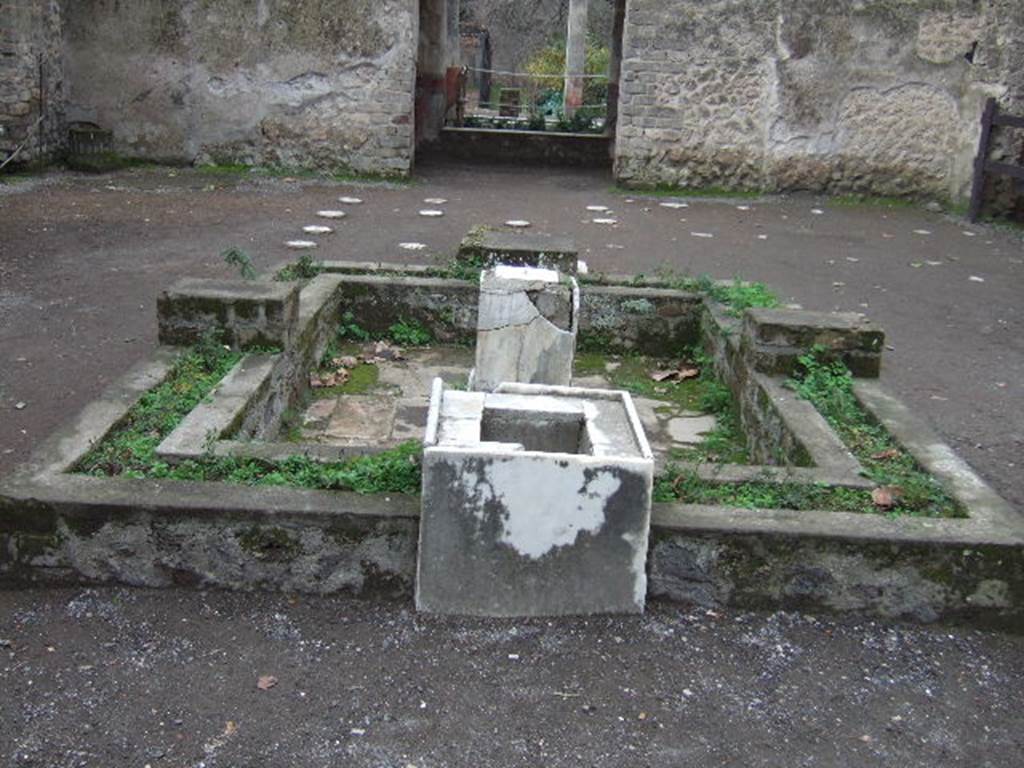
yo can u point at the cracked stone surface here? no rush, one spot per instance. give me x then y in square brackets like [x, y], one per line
[526, 329]
[395, 410]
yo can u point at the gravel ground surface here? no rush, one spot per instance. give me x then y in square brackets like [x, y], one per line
[135, 678]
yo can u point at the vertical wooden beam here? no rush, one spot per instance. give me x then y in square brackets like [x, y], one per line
[978, 185]
[615, 69]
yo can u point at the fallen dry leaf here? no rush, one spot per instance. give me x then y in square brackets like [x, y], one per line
[381, 352]
[266, 682]
[682, 373]
[687, 372]
[886, 496]
[892, 453]
[230, 729]
[663, 375]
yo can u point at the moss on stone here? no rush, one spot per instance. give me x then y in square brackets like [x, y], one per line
[269, 544]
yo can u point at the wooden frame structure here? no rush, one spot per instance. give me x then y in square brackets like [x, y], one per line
[992, 117]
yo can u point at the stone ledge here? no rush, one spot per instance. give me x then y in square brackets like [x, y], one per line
[248, 312]
[776, 338]
[491, 247]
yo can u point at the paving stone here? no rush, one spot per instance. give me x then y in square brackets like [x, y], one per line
[410, 419]
[361, 419]
[318, 415]
[690, 430]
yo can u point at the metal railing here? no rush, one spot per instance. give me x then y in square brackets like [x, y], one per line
[523, 99]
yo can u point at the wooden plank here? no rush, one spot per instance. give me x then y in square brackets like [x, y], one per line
[1005, 169]
[981, 161]
[1011, 120]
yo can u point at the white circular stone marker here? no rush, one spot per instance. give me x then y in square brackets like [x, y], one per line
[817, 211]
[431, 214]
[517, 223]
[412, 246]
[598, 208]
[301, 245]
[605, 221]
[674, 205]
[350, 201]
[705, 235]
[435, 201]
[318, 229]
[331, 214]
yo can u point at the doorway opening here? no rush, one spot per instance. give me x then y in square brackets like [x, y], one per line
[520, 80]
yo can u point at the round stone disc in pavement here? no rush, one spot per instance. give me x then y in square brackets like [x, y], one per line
[598, 208]
[435, 201]
[301, 245]
[606, 221]
[318, 229]
[674, 205]
[350, 200]
[431, 214]
[412, 246]
[517, 223]
[331, 214]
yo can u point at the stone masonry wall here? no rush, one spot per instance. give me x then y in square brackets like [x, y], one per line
[867, 96]
[313, 83]
[31, 80]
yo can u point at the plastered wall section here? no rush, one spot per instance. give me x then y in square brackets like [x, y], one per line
[869, 97]
[311, 83]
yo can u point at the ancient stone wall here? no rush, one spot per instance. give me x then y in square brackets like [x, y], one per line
[325, 83]
[874, 96]
[31, 80]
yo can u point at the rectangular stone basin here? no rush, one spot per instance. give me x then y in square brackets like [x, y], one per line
[536, 502]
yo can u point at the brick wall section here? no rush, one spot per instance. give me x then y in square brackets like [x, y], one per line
[313, 83]
[31, 79]
[880, 97]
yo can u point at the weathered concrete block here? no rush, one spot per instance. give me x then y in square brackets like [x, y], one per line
[775, 338]
[493, 247]
[536, 502]
[249, 313]
[526, 327]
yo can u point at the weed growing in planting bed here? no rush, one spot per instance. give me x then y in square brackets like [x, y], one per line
[409, 333]
[903, 488]
[129, 450]
[828, 385]
[703, 392]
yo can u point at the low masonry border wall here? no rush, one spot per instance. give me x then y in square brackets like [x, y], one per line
[61, 527]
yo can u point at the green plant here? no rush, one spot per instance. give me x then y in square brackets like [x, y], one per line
[130, 448]
[827, 383]
[236, 257]
[410, 333]
[738, 295]
[349, 330]
[302, 269]
[548, 65]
